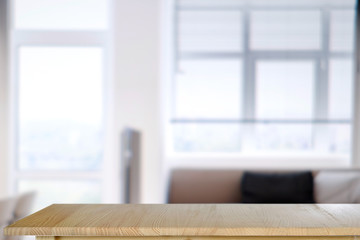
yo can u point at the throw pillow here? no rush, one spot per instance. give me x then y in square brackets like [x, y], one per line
[337, 187]
[277, 187]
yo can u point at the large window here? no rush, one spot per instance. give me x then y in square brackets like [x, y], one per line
[272, 77]
[59, 59]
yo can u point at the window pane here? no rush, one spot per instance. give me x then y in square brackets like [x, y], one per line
[283, 137]
[285, 30]
[300, 138]
[284, 89]
[342, 28]
[340, 88]
[207, 137]
[212, 31]
[61, 191]
[60, 108]
[283, 66]
[333, 138]
[209, 88]
[61, 14]
[340, 138]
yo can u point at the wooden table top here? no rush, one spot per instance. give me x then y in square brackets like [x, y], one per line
[191, 220]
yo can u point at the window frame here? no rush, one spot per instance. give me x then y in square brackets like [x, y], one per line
[249, 57]
[105, 175]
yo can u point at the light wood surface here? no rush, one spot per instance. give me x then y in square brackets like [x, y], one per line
[192, 220]
[197, 238]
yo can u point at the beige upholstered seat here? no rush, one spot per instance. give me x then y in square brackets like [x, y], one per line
[14, 208]
[24, 203]
[7, 208]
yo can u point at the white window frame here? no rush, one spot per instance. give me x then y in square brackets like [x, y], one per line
[106, 175]
[245, 160]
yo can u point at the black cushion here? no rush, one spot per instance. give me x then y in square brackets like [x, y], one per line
[277, 188]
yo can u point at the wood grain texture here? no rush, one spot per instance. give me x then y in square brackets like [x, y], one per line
[191, 220]
[200, 238]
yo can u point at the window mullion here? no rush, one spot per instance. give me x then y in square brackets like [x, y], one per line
[248, 78]
[320, 139]
[248, 130]
[321, 102]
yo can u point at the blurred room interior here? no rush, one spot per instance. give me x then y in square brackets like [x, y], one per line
[172, 101]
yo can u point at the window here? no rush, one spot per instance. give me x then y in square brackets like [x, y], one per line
[65, 131]
[59, 61]
[273, 77]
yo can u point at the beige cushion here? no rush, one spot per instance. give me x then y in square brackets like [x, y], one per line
[205, 186]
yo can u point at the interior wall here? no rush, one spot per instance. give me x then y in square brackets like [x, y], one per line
[3, 100]
[137, 85]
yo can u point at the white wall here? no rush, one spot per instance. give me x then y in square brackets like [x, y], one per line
[4, 145]
[137, 84]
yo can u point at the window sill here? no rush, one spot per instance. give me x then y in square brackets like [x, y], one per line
[259, 161]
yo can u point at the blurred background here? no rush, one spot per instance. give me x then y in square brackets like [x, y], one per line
[103, 99]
